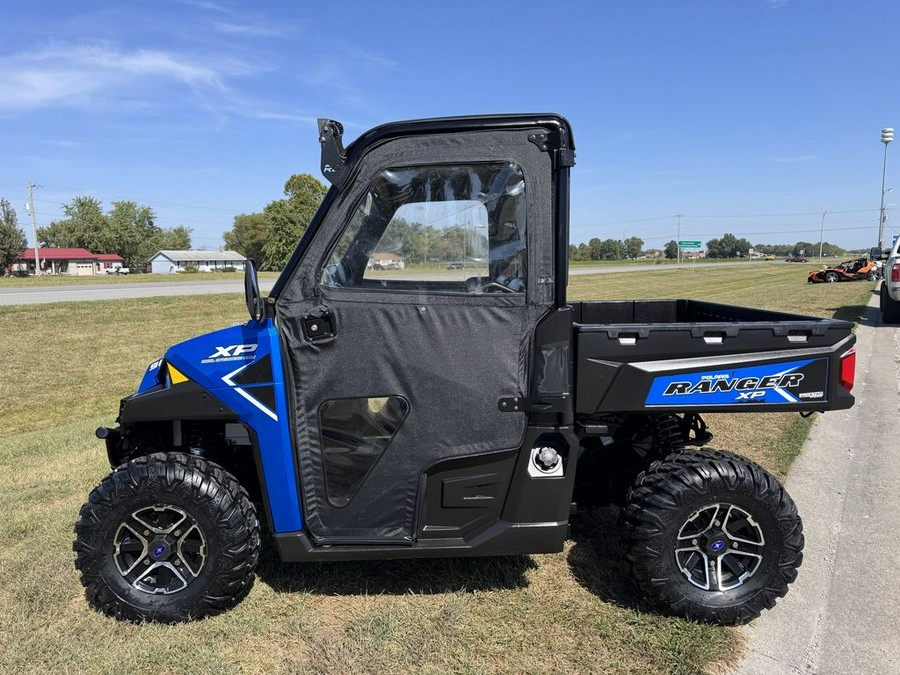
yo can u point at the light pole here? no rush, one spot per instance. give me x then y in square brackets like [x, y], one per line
[822, 235]
[887, 135]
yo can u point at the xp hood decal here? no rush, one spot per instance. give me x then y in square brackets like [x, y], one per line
[776, 383]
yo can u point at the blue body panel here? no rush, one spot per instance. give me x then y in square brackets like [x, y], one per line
[213, 361]
[776, 383]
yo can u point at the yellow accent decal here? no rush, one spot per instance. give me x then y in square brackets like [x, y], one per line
[176, 375]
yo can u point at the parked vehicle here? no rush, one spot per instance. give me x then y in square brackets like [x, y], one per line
[382, 418]
[796, 259]
[455, 266]
[890, 287]
[390, 265]
[860, 269]
[117, 270]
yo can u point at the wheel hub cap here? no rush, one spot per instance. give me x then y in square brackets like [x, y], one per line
[159, 549]
[719, 547]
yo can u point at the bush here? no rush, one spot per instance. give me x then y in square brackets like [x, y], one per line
[191, 268]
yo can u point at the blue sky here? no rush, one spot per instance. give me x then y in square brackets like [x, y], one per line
[747, 116]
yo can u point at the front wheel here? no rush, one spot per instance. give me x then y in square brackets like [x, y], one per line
[831, 277]
[167, 538]
[712, 537]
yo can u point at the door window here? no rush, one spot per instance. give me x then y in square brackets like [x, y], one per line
[457, 229]
[355, 433]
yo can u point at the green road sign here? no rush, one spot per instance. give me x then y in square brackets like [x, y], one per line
[689, 244]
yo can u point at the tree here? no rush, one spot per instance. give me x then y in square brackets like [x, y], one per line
[134, 233]
[12, 238]
[85, 226]
[728, 246]
[594, 249]
[248, 236]
[671, 249]
[612, 249]
[633, 247]
[288, 218]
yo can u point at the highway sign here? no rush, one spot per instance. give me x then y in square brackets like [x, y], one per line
[689, 244]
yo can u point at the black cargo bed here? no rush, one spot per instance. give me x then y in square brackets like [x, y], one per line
[639, 355]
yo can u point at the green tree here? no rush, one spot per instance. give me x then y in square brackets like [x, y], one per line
[248, 236]
[134, 232]
[671, 249]
[612, 249]
[805, 248]
[633, 247]
[728, 246]
[594, 249]
[12, 238]
[85, 226]
[288, 218]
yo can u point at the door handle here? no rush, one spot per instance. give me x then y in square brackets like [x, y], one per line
[319, 327]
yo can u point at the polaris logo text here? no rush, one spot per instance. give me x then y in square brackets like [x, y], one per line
[748, 388]
[232, 353]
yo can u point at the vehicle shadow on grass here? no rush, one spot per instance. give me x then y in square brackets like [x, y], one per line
[393, 577]
[597, 560]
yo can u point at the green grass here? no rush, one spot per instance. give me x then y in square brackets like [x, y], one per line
[65, 369]
[64, 280]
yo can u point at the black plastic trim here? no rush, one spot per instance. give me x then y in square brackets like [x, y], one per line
[185, 401]
[501, 538]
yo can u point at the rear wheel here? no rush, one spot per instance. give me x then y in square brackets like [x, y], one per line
[167, 538]
[890, 309]
[712, 536]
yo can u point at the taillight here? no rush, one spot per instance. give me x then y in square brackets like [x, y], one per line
[895, 272]
[848, 368]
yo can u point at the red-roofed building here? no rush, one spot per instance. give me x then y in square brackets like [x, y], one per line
[73, 261]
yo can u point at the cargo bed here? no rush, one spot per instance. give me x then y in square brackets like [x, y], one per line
[677, 355]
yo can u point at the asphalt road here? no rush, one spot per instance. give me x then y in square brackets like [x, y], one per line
[840, 616]
[43, 294]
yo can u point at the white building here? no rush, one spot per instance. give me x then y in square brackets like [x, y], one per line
[170, 262]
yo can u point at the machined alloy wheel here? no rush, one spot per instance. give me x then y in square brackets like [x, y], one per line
[159, 549]
[719, 547]
[711, 536]
[831, 277]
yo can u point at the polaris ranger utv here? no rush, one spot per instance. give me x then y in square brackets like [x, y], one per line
[424, 411]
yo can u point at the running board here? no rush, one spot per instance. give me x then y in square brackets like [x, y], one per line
[501, 538]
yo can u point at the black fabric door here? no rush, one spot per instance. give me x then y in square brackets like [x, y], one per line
[410, 317]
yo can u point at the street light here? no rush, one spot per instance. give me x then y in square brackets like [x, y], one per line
[887, 135]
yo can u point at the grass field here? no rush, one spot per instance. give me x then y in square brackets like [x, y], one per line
[66, 365]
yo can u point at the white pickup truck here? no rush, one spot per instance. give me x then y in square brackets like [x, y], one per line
[890, 287]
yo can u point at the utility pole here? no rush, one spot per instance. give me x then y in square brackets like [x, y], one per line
[678, 240]
[37, 259]
[822, 235]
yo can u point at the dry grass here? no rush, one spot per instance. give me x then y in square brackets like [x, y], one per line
[65, 367]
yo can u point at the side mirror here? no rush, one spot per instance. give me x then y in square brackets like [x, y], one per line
[256, 305]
